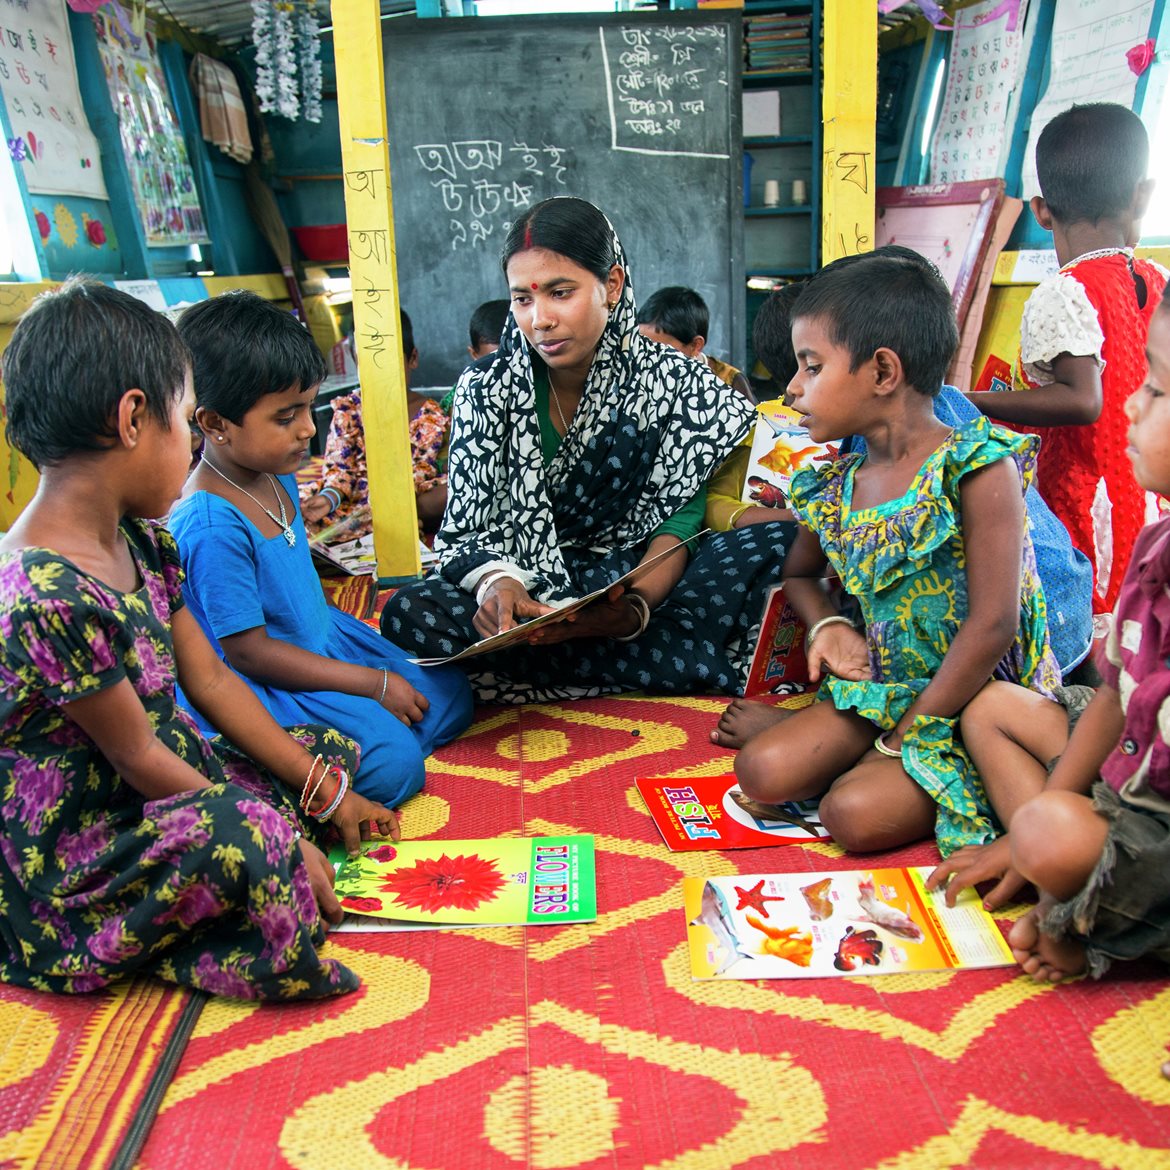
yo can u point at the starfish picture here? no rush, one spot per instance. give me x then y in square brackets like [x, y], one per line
[755, 898]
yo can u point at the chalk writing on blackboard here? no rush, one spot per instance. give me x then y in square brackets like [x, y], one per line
[658, 79]
[477, 203]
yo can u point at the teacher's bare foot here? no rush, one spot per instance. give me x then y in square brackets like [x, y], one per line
[745, 718]
[1046, 959]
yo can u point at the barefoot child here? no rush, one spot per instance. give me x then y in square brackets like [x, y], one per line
[927, 531]
[250, 582]
[1096, 841]
[128, 843]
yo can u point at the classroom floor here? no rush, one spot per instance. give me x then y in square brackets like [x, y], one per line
[589, 1046]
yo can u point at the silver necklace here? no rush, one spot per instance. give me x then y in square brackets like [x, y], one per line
[557, 403]
[290, 537]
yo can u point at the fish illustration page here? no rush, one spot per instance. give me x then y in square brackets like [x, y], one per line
[845, 922]
[507, 881]
[780, 448]
[712, 812]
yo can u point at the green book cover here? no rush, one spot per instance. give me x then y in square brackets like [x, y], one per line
[508, 881]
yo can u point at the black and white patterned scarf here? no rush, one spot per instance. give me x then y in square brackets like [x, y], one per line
[651, 428]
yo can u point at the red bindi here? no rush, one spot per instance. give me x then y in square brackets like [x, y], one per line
[535, 287]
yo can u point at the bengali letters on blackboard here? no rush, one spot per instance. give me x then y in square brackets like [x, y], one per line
[660, 78]
[482, 184]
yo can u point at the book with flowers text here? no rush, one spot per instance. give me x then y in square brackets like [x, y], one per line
[507, 881]
[845, 922]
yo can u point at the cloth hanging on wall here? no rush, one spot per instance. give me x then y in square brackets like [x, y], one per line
[222, 116]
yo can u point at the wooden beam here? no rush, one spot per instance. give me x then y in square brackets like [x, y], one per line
[369, 214]
[848, 112]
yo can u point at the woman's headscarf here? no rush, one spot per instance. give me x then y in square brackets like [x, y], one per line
[651, 427]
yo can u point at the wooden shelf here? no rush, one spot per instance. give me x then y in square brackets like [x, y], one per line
[759, 140]
[761, 212]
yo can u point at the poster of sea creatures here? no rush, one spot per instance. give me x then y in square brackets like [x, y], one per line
[847, 922]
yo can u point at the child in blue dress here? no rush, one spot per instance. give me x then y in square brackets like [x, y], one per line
[927, 531]
[128, 842]
[250, 582]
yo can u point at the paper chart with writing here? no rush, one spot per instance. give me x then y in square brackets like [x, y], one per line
[1087, 64]
[970, 142]
[51, 139]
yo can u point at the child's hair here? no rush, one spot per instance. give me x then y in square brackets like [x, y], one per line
[568, 226]
[678, 312]
[887, 301]
[245, 347]
[487, 322]
[407, 334]
[1090, 160]
[73, 355]
[772, 333]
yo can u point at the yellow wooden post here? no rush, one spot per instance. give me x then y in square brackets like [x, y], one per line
[369, 214]
[849, 114]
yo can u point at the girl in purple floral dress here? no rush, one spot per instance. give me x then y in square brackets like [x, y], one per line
[128, 843]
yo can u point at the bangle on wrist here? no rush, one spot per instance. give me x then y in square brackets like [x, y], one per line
[385, 684]
[306, 795]
[334, 496]
[832, 619]
[880, 744]
[332, 806]
[489, 580]
[738, 513]
[642, 608]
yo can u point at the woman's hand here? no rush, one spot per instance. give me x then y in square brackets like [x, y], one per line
[321, 880]
[505, 604]
[841, 651]
[401, 699]
[611, 616]
[975, 864]
[759, 515]
[356, 819]
[316, 508]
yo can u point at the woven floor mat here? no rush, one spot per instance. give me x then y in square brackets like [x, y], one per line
[81, 1076]
[589, 1046]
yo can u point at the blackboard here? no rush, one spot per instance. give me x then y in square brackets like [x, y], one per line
[640, 113]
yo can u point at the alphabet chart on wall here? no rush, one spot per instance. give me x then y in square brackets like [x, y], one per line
[1088, 63]
[982, 73]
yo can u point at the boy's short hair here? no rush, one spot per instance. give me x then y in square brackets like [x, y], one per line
[73, 355]
[873, 302]
[244, 347]
[772, 333]
[487, 322]
[677, 311]
[1089, 161]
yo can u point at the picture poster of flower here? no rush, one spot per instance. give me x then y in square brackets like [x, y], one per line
[846, 922]
[51, 139]
[982, 75]
[510, 881]
[156, 155]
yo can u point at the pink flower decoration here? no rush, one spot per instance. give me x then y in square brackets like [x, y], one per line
[96, 232]
[1140, 57]
[43, 225]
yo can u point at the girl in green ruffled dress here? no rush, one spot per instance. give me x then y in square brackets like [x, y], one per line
[927, 531]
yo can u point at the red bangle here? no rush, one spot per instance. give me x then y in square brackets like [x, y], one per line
[336, 771]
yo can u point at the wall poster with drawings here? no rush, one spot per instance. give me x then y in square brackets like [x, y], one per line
[970, 142]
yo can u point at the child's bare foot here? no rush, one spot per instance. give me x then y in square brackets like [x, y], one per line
[745, 718]
[1046, 959]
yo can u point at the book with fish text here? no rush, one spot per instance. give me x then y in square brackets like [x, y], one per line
[780, 448]
[711, 812]
[506, 881]
[845, 922]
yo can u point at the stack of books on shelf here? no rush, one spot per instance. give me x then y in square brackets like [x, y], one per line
[777, 43]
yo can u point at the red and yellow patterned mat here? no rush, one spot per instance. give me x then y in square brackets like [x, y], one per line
[590, 1046]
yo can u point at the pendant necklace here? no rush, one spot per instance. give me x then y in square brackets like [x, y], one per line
[286, 528]
[557, 403]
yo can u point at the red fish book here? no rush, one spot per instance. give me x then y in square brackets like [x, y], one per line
[712, 812]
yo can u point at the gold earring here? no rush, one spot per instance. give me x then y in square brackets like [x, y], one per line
[612, 306]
